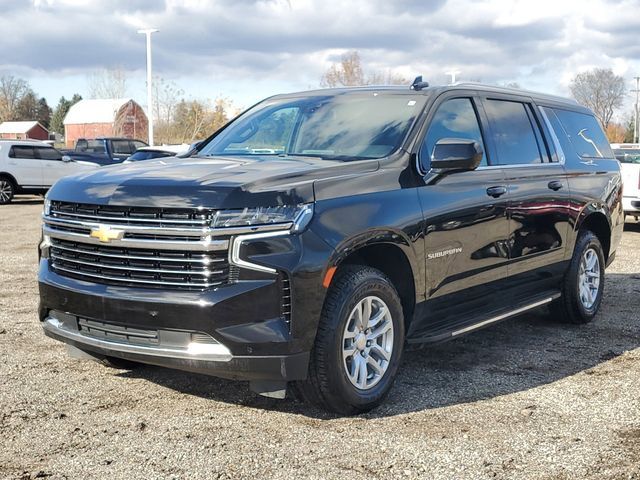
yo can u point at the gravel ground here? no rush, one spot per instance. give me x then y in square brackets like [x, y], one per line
[524, 399]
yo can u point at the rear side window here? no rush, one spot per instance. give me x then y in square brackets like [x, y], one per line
[584, 133]
[19, 151]
[455, 118]
[513, 129]
[121, 146]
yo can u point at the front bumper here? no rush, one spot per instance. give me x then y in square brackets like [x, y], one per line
[250, 341]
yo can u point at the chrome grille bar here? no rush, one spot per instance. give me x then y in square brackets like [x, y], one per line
[135, 280]
[202, 245]
[161, 259]
[205, 273]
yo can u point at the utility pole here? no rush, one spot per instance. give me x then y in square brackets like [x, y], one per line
[636, 132]
[148, 32]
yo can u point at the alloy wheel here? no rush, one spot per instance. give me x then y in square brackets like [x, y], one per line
[589, 278]
[6, 191]
[367, 342]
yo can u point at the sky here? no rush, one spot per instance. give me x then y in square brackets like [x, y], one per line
[246, 50]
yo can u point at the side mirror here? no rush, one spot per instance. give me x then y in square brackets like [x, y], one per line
[67, 158]
[456, 154]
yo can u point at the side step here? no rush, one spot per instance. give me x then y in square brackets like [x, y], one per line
[455, 330]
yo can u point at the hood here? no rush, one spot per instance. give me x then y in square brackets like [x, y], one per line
[209, 182]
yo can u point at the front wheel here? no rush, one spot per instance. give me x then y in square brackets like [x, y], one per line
[584, 282]
[358, 345]
[7, 190]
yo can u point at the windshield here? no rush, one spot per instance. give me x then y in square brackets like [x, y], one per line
[149, 154]
[334, 127]
[627, 155]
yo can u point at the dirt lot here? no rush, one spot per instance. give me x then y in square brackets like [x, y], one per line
[525, 399]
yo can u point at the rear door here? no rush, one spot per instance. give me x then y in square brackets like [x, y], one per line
[25, 166]
[466, 227]
[538, 206]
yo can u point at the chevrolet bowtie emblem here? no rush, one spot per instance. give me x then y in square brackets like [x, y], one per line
[106, 234]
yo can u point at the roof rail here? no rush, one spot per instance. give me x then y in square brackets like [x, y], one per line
[516, 90]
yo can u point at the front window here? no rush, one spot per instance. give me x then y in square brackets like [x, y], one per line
[339, 127]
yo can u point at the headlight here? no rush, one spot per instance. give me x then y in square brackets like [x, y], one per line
[47, 206]
[298, 215]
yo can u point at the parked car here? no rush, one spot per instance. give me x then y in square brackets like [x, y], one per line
[149, 153]
[28, 166]
[381, 218]
[104, 150]
[629, 156]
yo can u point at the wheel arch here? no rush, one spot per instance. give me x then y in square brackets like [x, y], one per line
[394, 259]
[596, 221]
[10, 177]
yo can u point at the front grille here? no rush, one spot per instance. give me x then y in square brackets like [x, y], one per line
[113, 265]
[153, 247]
[140, 216]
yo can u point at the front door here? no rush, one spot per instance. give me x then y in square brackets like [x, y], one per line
[466, 227]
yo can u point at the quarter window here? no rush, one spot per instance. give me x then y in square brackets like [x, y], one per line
[513, 132]
[455, 118]
[584, 132]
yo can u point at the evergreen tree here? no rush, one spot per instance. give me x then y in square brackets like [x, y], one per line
[61, 110]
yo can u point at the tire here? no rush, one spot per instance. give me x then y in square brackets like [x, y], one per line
[356, 292]
[579, 303]
[119, 363]
[7, 190]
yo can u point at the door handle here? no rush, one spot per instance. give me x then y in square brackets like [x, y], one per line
[555, 185]
[497, 191]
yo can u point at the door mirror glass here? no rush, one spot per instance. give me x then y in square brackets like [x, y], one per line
[456, 154]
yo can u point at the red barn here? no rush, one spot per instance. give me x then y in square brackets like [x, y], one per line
[111, 117]
[23, 130]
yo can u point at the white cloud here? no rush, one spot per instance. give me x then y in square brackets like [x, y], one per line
[247, 48]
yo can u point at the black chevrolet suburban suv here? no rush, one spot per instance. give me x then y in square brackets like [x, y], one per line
[312, 239]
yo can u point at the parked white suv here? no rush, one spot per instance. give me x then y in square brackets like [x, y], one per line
[629, 156]
[28, 166]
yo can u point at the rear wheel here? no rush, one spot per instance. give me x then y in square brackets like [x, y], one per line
[358, 345]
[584, 282]
[7, 190]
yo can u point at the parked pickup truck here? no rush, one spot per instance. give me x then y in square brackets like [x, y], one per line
[104, 150]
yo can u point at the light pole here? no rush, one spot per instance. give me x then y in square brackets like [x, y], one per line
[453, 74]
[148, 32]
[636, 132]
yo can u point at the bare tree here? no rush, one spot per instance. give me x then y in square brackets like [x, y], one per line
[349, 72]
[167, 96]
[108, 83]
[12, 91]
[387, 77]
[600, 90]
[346, 73]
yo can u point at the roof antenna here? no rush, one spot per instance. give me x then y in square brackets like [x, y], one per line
[418, 84]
